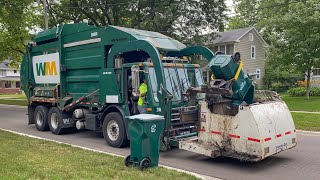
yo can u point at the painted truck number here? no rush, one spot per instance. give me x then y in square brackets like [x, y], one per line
[153, 128]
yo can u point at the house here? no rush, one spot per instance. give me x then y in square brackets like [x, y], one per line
[251, 46]
[9, 78]
[315, 77]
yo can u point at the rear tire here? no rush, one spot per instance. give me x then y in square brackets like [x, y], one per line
[41, 118]
[55, 121]
[114, 131]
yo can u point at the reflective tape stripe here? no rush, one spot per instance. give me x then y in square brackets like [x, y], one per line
[253, 139]
[202, 130]
[79, 43]
[286, 133]
[234, 136]
[278, 135]
[216, 132]
[267, 139]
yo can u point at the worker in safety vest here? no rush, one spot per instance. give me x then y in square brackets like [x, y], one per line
[142, 95]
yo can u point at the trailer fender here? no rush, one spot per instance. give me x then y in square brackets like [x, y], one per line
[116, 108]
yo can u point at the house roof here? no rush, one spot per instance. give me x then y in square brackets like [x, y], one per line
[5, 64]
[235, 36]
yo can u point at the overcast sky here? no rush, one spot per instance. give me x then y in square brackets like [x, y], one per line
[229, 4]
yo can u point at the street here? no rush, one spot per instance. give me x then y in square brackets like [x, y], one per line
[302, 162]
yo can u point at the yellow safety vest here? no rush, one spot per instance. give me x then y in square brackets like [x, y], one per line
[143, 89]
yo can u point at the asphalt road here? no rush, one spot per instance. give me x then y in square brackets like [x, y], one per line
[302, 162]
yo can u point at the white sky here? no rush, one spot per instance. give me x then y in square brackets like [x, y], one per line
[229, 4]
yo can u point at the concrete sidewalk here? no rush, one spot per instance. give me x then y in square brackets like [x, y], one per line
[308, 112]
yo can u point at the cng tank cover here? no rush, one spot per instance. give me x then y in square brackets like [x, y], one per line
[146, 117]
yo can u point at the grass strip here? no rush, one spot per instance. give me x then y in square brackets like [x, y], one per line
[306, 121]
[28, 158]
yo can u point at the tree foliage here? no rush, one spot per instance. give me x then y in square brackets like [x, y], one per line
[184, 19]
[296, 39]
[17, 18]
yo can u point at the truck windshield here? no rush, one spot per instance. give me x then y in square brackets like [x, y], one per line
[177, 80]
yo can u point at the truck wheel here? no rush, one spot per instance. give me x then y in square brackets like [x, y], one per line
[41, 118]
[55, 121]
[114, 131]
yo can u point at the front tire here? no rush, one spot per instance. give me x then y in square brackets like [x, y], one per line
[41, 118]
[114, 131]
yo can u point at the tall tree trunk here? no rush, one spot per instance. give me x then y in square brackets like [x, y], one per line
[308, 83]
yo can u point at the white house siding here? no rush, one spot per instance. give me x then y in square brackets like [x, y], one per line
[251, 65]
[11, 72]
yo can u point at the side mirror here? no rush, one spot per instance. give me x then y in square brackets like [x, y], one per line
[135, 80]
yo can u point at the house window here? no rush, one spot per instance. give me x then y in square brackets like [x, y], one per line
[2, 73]
[215, 49]
[7, 84]
[222, 49]
[253, 52]
[15, 71]
[258, 73]
[316, 72]
[230, 49]
[250, 37]
[17, 84]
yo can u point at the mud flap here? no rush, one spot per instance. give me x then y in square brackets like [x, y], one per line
[30, 115]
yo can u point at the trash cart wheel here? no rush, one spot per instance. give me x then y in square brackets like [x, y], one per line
[127, 161]
[144, 164]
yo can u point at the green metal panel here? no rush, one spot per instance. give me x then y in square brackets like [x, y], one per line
[47, 35]
[108, 86]
[194, 50]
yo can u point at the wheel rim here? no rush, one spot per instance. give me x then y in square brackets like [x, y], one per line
[54, 120]
[39, 118]
[113, 130]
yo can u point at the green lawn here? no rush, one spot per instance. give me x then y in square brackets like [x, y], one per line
[300, 104]
[27, 158]
[307, 122]
[14, 102]
[13, 99]
[13, 96]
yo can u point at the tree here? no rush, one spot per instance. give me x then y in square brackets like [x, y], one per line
[17, 18]
[279, 77]
[296, 37]
[247, 14]
[183, 19]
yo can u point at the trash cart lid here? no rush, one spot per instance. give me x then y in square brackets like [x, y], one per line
[146, 117]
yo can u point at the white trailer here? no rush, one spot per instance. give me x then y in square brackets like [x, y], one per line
[246, 132]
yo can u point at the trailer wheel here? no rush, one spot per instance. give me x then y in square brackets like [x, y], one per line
[41, 118]
[55, 121]
[114, 131]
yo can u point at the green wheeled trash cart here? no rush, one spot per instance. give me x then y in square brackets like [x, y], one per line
[144, 131]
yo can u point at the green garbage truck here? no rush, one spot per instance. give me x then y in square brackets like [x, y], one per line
[79, 76]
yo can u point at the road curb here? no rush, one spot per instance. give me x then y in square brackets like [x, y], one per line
[112, 154]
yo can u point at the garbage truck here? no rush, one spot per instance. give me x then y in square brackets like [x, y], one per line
[79, 76]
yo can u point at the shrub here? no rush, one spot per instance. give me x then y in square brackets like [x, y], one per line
[301, 91]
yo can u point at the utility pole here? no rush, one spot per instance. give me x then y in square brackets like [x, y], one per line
[45, 14]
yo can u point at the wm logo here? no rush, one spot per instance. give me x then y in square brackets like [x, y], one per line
[46, 69]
